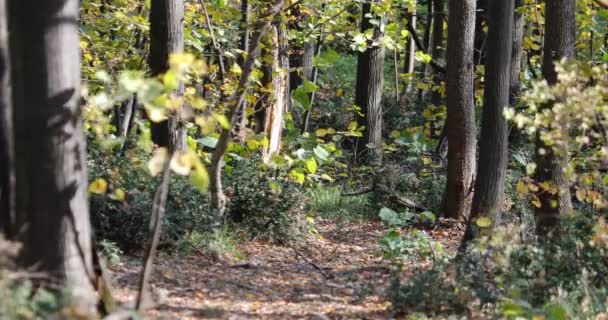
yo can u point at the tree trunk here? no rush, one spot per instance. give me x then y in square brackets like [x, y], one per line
[460, 92]
[275, 109]
[517, 50]
[410, 53]
[52, 204]
[428, 42]
[166, 38]
[245, 17]
[370, 80]
[560, 40]
[493, 147]
[7, 152]
[437, 47]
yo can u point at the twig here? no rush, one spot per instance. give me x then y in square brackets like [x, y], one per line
[321, 271]
[158, 210]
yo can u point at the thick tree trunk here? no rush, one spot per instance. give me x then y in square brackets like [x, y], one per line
[7, 152]
[493, 150]
[275, 109]
[437, 47]
[52, 204]
[460, 92]
[370, 81]
[560, 40]
[166, 37]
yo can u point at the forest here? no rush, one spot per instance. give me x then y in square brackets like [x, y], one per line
[304, 159]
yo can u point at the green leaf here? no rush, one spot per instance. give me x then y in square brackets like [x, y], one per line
[321, 153]
[311, 165]
[208, 141]
[389, 217]
[200, 179]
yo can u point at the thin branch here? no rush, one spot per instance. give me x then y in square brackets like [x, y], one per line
[216, 45]
[422, 48]
[602, 3]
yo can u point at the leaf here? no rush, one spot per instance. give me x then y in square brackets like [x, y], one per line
[297, 175]
[321, 153]
[200, 178]
[99, 186]
[222, 120]
[522, 188]
[320, 133]
[157, 162]
[208, 141]
[170, 80]
[352, 126]
[311, 165]
[181, 163]
[484, 222]
[119, 195]
[389, 217]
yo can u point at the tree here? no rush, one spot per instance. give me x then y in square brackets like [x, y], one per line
[437, 46]
[7, 164]
[517, 52]
[460, 108]
[493, 146]
[166, 37]
[370, 81]
[560, 40]
[409, 64]
[276, 76]
[50, 153]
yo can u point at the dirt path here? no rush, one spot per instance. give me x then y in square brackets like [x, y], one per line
[337, 275]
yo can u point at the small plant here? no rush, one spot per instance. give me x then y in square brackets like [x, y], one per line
[110, 251]
[219, 243]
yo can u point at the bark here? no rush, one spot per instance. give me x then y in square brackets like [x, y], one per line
[166, 37]
[273, 124]
[52, 206]
[410, 53]
[428, 42]
[370, 80]
[437, 47]
[460, 108]
[242, 116]
[493, 147]
[517, 50]
[480, 35]
[560, 40]
[7, 152]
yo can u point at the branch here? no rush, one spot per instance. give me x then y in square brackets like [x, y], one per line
[216, 45]
[602, 3]
[158, 210]
[421, 47]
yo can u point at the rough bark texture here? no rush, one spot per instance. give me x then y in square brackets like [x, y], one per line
[560, 40]
[52, 204]
[166, 37]
[370, 81]
[273, 122]
[437, 47]
[7, 152]
[461, 108]
[493, 146]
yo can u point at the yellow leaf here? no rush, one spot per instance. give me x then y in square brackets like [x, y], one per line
[181, 163]
[252, 144]
[156, 163]
[484, 222]
[522, 188]
[156, 114]
[236, 69]
[352, 126]
[536, 201]
[395, 134]
[321, 133]
[581, 194]
[119, 195]
[99, 186]
[340, 92]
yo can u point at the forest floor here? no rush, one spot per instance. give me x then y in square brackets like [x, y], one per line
[337, 274]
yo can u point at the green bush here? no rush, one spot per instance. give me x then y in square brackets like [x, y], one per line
[265, 201]
[562, 279]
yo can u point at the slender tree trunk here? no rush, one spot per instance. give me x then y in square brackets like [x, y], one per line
[460, 92]
[51, 165]
[370, 81]
[517, 51]
[480, 35]
[493, 156]
[245, 17]
[428, 42]
[560, 40]
[7, 151]
[410, 54]
[166, 38]
[437, 44]
[273, 122]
